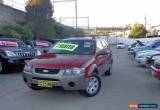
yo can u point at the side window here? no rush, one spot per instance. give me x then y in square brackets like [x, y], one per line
[99, 45]
[104, 44]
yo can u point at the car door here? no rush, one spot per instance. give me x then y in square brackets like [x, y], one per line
[108, 57]
[100, 59]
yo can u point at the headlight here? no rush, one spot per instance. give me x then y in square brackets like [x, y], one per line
[28, 68]
[74, 71]
[10, 54]
[38, 53]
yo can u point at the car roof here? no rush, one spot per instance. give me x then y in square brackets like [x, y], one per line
[83, 38]
[10, 39]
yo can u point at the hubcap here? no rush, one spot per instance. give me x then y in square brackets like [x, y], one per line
[93, 85]
[0, 66]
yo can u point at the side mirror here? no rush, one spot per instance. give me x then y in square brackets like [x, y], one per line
[102, 53]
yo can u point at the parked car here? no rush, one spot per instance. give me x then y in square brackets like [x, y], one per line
[121, 45]
[73, 64]
[135, 45]
[151, 59]
[14, 52]
[141, 57]
[42, 46]
[155, 69]
[149, 46]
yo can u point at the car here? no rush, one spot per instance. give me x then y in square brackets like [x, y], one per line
[149, 46]
[42, 46]
[136, 44]
[155, 69]
[151, 59]
[121, 45]
[141, 57]
[72, 64]
[14, 52]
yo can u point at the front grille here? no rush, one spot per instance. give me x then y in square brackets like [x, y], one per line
[46, 79]
[25, 54]
[47, 71]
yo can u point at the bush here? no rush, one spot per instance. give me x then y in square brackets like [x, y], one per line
[18, 30]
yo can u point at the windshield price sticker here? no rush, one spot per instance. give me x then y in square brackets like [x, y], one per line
[8, 43]
[65, 46]
[42, 44]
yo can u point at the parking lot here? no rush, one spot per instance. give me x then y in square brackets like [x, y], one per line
[128, 84]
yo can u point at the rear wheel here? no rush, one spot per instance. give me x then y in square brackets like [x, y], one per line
[109, 71]
[3, 68]
[93, 86]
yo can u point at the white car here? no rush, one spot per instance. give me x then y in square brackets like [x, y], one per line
[141, 57]
[121, 45]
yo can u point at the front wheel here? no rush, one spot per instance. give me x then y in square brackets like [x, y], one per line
[109, 72]
[35, 88]
[3, 68]
[93, 86]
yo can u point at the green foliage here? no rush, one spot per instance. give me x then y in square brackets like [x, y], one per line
[63, 31]
[138, 31]
[19, 30]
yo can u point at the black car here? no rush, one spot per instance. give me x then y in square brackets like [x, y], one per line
[14, 52]
[42, 46]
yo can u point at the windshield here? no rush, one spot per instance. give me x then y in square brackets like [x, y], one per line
[149, 43]
[80, 47]
[21, 44]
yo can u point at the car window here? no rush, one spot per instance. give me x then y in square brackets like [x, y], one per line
[99, 45]
[80, 47]
[103, 43]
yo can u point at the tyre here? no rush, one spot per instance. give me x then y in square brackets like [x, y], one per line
[108, 72]
[3, 68]
[93, 86]
[35, 88]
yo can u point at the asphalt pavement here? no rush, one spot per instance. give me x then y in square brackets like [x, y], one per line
[129, 83]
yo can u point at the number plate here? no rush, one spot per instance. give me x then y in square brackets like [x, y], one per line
[45, 84]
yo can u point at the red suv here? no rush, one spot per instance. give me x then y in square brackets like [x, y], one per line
[73, 64]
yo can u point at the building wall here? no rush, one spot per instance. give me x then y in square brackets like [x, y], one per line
[10, 15]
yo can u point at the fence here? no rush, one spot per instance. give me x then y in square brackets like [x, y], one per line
[14, 4]
[128, 41]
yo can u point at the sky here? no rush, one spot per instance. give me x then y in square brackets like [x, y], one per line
[106, 13]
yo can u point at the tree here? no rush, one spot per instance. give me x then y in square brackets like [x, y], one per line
[39, 17]
[138, 31]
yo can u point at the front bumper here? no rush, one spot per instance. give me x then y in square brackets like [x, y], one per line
[155, 72]
[18, 60]
[76, 82]
[141, 61]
